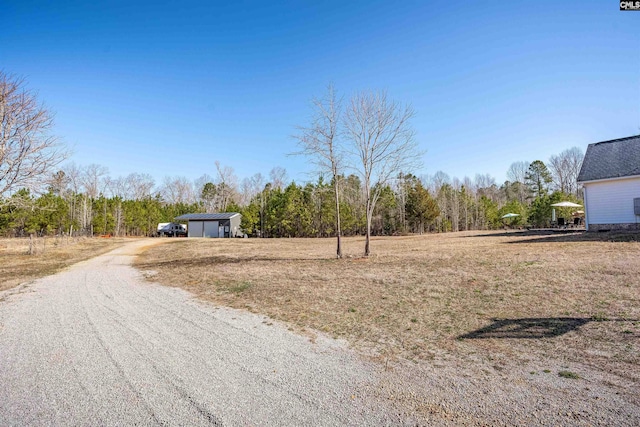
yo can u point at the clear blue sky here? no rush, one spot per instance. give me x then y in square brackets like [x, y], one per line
[167, 88]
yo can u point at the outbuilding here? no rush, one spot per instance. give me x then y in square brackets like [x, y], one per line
[610, 175]
[212, 224]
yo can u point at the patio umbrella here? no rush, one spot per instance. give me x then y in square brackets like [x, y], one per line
[509, 215]
[567, 205]
[562, 205]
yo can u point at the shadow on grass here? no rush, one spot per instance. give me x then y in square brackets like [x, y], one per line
[545, 327]
[584, 237]
[221, 260]
[563, 236]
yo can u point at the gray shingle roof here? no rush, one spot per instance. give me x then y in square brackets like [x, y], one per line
[207, 216]
[611, 159]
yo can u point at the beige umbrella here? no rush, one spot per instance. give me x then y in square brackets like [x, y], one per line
[562, 205]
[566, 205]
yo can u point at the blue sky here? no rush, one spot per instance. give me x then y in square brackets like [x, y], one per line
[168, 88]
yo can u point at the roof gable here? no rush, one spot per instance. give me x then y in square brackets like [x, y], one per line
[617, 158]
[207, 216]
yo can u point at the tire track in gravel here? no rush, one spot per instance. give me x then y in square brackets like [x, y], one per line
[117, 365]
[227, 359]
[96, 344]
[192, 323]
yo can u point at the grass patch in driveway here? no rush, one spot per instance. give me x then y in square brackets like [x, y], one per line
[569, 375]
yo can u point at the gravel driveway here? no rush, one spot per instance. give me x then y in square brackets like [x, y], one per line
[96, 345]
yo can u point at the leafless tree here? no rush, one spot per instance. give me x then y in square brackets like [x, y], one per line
[486, 186]
[383, 142]
[227, 184]
[402, 185]
[565, 168]
[250, 188]
[177, 190]
[455, 204]
[516, 176]
[111, 187]
[472, 193]
[517, 171]
[319, 142]
[119, 188]
[436, 183]
[73, 174]
[278, 176]
[91, 179]
[28, 151]
[58, 183]
[139, 185]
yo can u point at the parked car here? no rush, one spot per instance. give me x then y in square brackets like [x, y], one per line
[171, 229]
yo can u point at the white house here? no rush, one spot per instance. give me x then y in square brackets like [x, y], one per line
[610, 175]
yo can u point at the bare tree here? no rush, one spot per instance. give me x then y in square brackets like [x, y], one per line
[177, 190]
[455, 204]
[91, 179]
[278, 176]
[470, 189]
[73, 173]
[250, 188]
[139, 185]
[319, 142]
[486, 186]
[28, 152]
[565, 168]
[383, 142]
[516, 176]
[119, 187]
[256, 186]
[517, 171]
[227, 184]
[58, 183]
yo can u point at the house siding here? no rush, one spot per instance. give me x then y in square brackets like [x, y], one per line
[609, 204]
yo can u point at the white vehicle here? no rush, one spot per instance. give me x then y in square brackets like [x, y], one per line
[171, 229]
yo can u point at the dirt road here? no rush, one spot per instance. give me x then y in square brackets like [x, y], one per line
[96, 345]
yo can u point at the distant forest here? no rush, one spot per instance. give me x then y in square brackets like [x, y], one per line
[86, 201]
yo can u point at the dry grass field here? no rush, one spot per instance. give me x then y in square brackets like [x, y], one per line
[50, 255]
[490, 296]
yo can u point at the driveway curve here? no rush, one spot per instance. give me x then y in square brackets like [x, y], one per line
[97, 345]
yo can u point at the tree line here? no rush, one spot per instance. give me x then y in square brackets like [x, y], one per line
[86, 201]
[365, 155]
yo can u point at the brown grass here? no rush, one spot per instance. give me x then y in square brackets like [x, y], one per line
[421, 297]
[50, 255]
